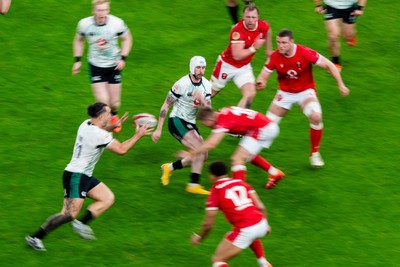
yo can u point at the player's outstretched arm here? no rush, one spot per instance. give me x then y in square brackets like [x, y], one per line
[268, 44]
[206, 227]
[78, 47]
[212, 141]
[111, 127]
[169, 100]
[262, 79]
[123, 148]
[327, 64]
[126, 46]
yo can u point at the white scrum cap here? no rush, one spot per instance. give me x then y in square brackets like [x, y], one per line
[196, 61]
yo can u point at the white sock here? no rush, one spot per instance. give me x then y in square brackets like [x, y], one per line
[262, 262]
[272, 171]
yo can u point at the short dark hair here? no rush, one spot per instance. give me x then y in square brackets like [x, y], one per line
[96, 109]
[204, 113]
[218, 168]
[285, 33]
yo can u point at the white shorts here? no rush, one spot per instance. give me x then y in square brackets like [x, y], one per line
[243, 237]
[287, 100]
[224, 72]
[263, 138]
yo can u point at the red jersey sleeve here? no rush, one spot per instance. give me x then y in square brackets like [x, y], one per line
[270, 64]
[311, 55]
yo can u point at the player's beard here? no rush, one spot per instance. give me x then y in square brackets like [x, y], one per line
[198, 76]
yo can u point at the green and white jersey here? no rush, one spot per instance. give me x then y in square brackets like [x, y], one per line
[103, 40]
[340, 4]
[184, 91]
[89, 146]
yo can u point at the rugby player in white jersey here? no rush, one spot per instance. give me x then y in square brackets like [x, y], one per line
[186, 96]
[106, 60]
[340, 19]
[91, 140]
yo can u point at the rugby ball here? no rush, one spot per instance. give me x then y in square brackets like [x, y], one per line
[143, 118]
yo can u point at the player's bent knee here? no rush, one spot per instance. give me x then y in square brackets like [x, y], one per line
[315, 118]
[312, 107]
[109, 200]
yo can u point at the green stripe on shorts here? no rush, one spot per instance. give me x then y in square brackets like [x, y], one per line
[179, 126]
[74, 185]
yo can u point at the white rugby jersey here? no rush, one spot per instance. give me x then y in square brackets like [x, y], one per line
[340, 4]
[89, 145]
[104, 51]
[184, 91]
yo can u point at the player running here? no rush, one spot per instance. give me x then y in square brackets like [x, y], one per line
[257, 130]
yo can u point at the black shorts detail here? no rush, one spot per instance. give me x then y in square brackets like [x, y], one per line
[178, 127]
[344, 14]
[76, 185]
[109, 75]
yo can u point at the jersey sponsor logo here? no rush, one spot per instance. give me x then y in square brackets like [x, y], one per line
[102, 44]
[235, 36]
[292, 74]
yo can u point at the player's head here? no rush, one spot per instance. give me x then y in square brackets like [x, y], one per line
[250, 16]
[197, 62]
[206, 116]
[100, 113]
[101, 8]
[285, 41]
[285, 33]
[218, 169]
[99, 2]
[97, 109]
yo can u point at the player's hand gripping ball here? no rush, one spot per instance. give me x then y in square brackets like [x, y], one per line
[143, 118]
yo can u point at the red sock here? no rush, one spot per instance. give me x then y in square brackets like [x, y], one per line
[257, 248]
[261, 163]
[239, 172]
[315, 138]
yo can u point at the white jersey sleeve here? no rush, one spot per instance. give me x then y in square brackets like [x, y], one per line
[89, 146]
[184, 91]
[104, 51]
